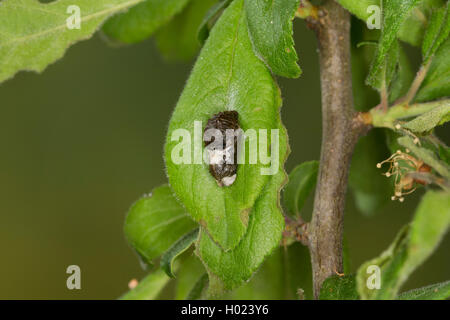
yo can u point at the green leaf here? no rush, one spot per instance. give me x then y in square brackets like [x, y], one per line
[370, 189]
[403, 79]
[437, 32]
[394, 14]
[270, 27]
[412, 247]
[210, 18]
[411, 30]
[339, 288]
[178, 39]
[175, 250]
[302, 181]
[220, 81]
[437, 81]
[426, 156]
[141, 21]
[438, 291]
[444, 154]
[431, 119]
[155, 222]
[34, 35]
[230, 269]
[148, 288]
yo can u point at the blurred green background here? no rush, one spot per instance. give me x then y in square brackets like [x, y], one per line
[84, 140]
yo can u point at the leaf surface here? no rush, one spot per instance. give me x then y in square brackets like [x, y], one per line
[155, 222]
[302, 180]
[34, 35]
[270, 27]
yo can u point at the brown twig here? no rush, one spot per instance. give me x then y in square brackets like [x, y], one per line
[341, 128]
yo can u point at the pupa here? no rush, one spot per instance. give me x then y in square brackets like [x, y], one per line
[220, 154]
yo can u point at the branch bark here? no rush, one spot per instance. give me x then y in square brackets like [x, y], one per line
[341, 128]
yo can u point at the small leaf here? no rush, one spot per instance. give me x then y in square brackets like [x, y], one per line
[437, 81]
[426, 156]
[178, 39]
[155, 222]
[339, 288]
[438, 291]
[34, 35]
[210, 18]
[141, 21]
[413, 245]
[220, 82]
[148, 288]
[270, 27]
[394, 14]
[437, 32]
[175, 250]
[431, 119]
[302, 180]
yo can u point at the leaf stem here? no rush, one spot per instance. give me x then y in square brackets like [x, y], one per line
[341, 128]
[420, 76]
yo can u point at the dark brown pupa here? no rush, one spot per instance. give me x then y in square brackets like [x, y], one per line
[224, 172]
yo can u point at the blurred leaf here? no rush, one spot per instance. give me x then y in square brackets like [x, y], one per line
[190, 271]
[149, 287]
[383, 65]
[411, 248]
[428, 121]
[413, 29]
[403, 79]
[209, 19]
[155, 222]
[361, 56]
[141, 21]
[178, 39]
[218, 82]
[270, 27]
[371, 190]
[302, 180]
[438, 291]
[444, 154]
[437, 32]
[437, 80]
[279, 277]
[339, 288]
[34, 35]
[175, 250]
[426, 156]
[199, 287]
